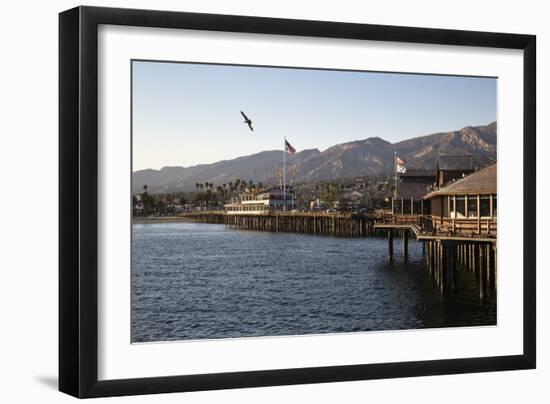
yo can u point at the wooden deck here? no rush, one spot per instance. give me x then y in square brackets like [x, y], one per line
[466, 244]
[338, 224]
[426, 236]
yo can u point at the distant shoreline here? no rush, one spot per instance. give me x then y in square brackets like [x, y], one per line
[161, 219]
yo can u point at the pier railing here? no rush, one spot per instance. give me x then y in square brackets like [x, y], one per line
[477, 226]
[348, 223]
[339, 224]
[403, 219]
[443, 225]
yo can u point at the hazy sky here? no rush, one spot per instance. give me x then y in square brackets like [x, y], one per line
[187, 114]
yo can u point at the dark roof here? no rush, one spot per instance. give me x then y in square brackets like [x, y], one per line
[467, 163]
[483, 181]
[415, 190]
[418, 173]
[270, 190]
[415, 183]
[255, 192]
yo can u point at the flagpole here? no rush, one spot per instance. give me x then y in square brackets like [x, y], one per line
[284, 174]
[395, 173]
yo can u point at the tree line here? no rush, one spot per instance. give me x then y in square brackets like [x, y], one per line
[206, 195]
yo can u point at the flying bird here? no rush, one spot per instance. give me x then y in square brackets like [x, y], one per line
[247, 121]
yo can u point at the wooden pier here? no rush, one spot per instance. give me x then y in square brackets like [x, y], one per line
[448, 245]
[446, 252]
[337, 225]
[216, 216]
[326, 224]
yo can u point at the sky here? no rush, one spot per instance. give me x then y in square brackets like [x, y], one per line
[187, 114]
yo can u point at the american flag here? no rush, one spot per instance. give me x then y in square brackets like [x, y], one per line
[289, 148]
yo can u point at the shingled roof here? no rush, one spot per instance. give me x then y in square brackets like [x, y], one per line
[418, 173]
[464, 162]
[483, 181]
[415, 190]
[415, 183]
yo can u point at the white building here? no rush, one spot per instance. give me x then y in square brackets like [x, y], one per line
[261, 202]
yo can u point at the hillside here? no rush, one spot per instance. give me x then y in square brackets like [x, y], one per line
[371, 156]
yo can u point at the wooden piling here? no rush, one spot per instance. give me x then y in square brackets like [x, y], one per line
[488, 264]
[405, 245]
[439, 266]
[444, 266]
[475, 259]
[321, 224]
[495, 266]
[432, 258]
[482, 267]
[390, 244]
[452, 266]
[430, 255]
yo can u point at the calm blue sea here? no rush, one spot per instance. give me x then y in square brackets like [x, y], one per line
[195, 281]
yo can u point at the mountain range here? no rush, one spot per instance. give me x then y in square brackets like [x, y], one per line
[371, 156]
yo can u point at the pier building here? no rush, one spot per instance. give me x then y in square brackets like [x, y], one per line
[261, 202]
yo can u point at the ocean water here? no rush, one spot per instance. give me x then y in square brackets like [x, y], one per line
[197, 281]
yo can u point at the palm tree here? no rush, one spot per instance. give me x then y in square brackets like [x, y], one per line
[146, 200]
[134, 203]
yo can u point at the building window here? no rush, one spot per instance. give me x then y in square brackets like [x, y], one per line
[418, 207]
[406, 206]
[485, 206]
[460, 208]
[397, 206]
[494, 206]
[445, 205]
[472, 206]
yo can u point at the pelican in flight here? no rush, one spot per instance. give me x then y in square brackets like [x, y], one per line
[247, 121]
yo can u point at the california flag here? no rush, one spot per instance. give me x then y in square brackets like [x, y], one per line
[400, 165]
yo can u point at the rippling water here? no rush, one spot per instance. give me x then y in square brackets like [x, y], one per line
[194, 281]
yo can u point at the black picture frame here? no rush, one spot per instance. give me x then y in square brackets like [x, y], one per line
[78, 201]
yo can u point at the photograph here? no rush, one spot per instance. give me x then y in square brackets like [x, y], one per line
[272, 201]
